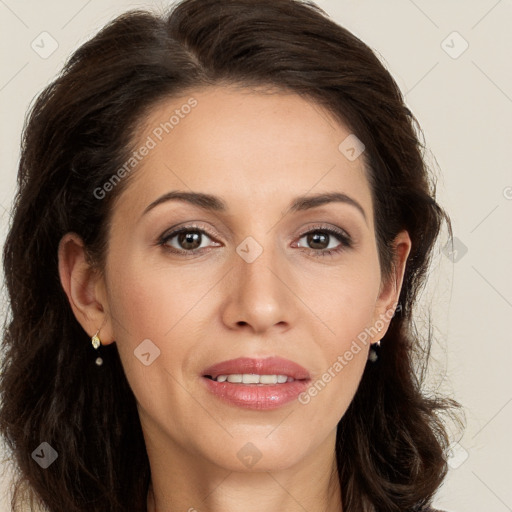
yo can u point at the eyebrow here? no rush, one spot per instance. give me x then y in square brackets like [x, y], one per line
[214, 203]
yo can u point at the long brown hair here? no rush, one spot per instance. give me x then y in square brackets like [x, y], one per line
[392, 442]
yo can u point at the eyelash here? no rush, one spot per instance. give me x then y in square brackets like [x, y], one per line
[344, 238]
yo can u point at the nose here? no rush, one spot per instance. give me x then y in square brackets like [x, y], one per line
[259, 294]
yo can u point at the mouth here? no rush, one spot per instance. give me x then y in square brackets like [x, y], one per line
[258, 384]
[252, 378]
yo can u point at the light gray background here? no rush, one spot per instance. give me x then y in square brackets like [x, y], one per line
[464, 105]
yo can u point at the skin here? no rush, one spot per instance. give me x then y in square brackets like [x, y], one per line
[257, 152]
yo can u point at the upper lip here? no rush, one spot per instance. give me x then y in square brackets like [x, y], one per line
[266, 366]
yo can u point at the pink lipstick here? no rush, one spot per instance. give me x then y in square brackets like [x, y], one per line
[258, 384]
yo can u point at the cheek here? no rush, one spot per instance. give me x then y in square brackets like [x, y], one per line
[148, 305]
[149, 301]
[343, 299]
[164, 305]
[333, 387]
[345, 305]
[150, 313]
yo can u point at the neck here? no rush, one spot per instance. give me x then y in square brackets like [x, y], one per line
[312, 485]
[331, 501]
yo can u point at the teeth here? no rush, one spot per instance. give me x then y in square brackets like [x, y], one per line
[248, 378]
[251, 378]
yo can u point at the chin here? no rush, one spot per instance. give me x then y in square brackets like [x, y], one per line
[257, 455]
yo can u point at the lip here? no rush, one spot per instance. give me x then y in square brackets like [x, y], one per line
[257, 396]
[267, 366]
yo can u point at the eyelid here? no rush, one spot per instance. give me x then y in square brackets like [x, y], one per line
[346, 241]
[191, 225]
[328, 227]
[344, 238]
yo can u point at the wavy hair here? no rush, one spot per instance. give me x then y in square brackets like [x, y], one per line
[392, 443]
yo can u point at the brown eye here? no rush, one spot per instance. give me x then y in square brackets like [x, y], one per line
[189, 239]
[322, 240]
[318, 240]
[326, 241]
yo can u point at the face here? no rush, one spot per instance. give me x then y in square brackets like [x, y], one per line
[190, 285]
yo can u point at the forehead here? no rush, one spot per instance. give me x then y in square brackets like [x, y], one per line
[244, 144]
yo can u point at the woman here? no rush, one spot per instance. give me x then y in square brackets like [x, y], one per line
[222, 224]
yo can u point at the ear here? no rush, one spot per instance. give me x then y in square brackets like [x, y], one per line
[84, 287]
[389, 293]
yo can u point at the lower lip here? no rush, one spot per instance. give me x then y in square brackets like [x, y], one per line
[257, 396]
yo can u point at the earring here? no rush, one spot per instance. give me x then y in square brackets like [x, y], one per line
[373, 354]
[96, 342]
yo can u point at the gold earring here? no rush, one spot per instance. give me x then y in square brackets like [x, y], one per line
[96, 342]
